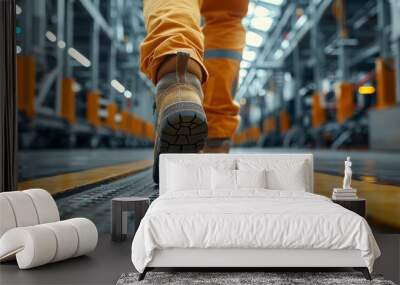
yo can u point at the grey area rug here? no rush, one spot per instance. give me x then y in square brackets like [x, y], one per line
[269, 278]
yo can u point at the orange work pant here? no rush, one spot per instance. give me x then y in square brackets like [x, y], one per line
[174, 25]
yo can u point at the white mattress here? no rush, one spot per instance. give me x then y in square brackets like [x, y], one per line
[253, 219]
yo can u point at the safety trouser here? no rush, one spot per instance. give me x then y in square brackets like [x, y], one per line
[174, 25]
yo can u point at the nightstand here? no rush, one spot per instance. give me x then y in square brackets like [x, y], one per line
[358, 205]
[119, 213]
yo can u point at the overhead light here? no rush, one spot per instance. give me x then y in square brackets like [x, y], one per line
[250, 9]
[278, 54]
[79, 57]
[129, 47]
[273, 2]
[262, 24]
[249, 55]
[61, 44]
[300, 22]
[245, 64]
[18, 10]
[77, 87]
[261, 11]
[51, 37]
[118, 86]
[242, 73]
[118, 118]
[253, 39]
[242, 101]
[366, 90]
[18, 49]
[128, 94]
[285, 44]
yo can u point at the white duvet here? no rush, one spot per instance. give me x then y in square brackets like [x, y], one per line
[250, 219]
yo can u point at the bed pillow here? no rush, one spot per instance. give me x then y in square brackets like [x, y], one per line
[291, 179]
[282, 174]
[251, 178]
[223, 179]
[183, 177]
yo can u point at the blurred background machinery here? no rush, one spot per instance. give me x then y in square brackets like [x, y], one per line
[321, 74]
[314, 74]
[77, 75]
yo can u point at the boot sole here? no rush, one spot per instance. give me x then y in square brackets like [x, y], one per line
[183, 129]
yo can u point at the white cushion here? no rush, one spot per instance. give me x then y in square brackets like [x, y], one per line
[169, 172]
[188, 177]
[26, 208]
[32, 246]
[7, 218]
[251, 178]
[87, 233]
[282, 174]
[41, 244]
[23, 208]
[292, 179]
[223, 179]
[45, 205]
[66, 237]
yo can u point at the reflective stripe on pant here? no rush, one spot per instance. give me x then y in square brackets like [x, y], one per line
[173, 25]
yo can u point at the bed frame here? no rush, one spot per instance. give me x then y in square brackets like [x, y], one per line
[242, 259]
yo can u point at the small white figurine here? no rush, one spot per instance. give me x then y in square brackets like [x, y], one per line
[347, 174]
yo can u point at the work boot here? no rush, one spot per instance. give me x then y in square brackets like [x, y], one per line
[181, 124]
[220, 145]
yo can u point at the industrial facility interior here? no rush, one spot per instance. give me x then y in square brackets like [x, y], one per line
[318, 76]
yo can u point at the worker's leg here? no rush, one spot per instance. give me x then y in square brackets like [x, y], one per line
[172, 26]
[224, 42]
[172, 57]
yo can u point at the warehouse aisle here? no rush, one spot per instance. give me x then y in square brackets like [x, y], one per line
[369, 166]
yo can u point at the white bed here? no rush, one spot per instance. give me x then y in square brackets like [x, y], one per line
[194, 223]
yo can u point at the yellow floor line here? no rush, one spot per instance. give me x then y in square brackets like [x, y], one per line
[70, 181]
[383, 201]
